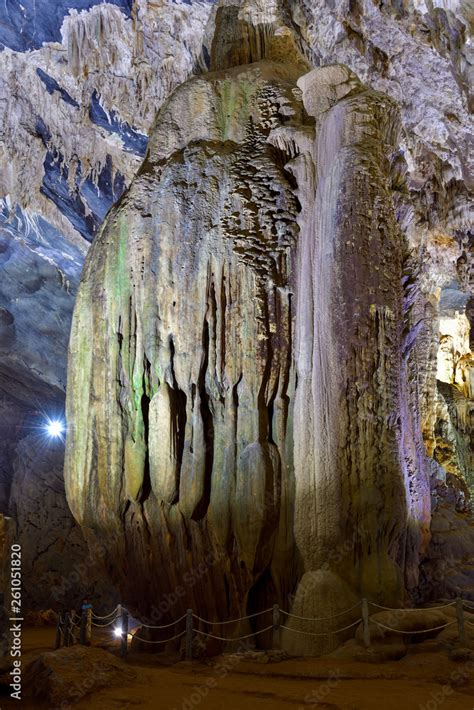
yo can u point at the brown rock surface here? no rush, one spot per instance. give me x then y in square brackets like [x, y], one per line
[63, 677]
[448, 570]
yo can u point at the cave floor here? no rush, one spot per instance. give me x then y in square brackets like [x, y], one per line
[419, 681]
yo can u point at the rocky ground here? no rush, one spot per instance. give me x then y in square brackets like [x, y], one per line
[428, 676]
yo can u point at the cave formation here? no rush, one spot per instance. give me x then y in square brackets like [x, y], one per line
[269, 379]
[240, 378]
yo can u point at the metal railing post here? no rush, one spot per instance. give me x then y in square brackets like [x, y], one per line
[276, 628]
[189, 635]
[124, 634]
[365, 621]
[460, 618]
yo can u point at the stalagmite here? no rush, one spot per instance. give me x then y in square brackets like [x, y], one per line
[362, 502]
[181, 381]
[240, 310]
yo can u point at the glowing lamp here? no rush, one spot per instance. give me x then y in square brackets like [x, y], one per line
[54, 428]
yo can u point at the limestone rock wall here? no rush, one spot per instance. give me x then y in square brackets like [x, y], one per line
[79, 91]
[58, 566]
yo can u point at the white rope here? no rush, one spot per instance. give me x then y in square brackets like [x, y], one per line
[103, 626]
[232, 621]
[239, 638]
[266, 611]
[165, 626]
[323, 633]
[139, 638]
[322, 618]
[96, 616]
[469, 623]
[428, 608]
[421, 631]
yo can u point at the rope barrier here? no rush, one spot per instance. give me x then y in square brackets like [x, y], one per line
[239, 638]
[165, 626]
[232, 621]
[322, 633]
[322, 618]
[139, 638]
[429, 608]
[422, 631]
[74, 618]
[96, 616]
[103, 626]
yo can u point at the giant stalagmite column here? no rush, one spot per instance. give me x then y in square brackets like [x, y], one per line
[238, 422]
[179, 450]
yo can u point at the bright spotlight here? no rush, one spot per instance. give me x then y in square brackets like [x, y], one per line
[117, 631]
[54, 428]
